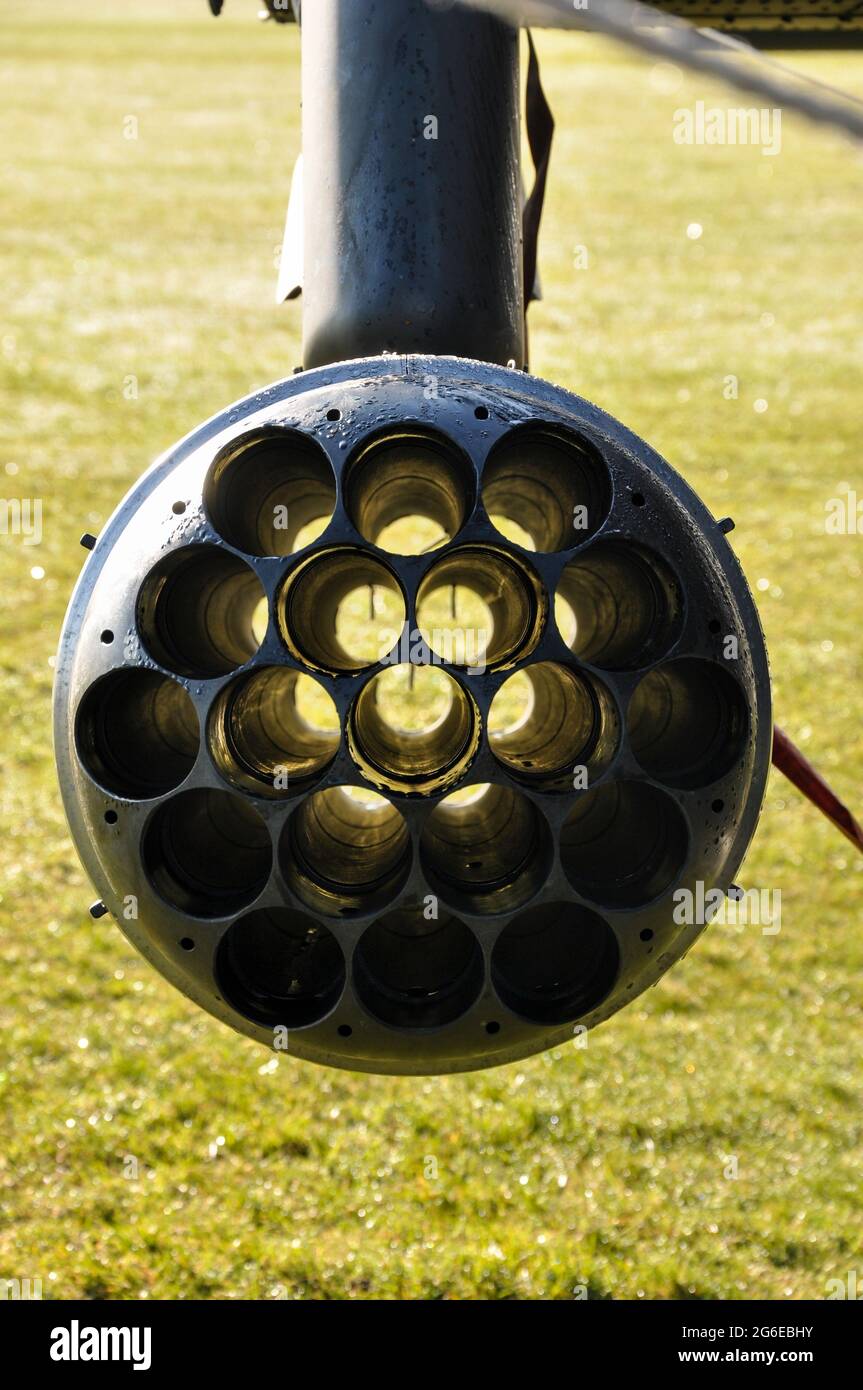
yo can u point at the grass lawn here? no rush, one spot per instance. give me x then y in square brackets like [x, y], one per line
[708, 1141]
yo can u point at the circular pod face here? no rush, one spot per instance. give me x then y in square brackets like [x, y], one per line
[419, 728]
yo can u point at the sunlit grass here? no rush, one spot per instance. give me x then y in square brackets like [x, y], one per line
[146, 1150]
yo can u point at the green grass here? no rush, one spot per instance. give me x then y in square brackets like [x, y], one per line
[601, 1167]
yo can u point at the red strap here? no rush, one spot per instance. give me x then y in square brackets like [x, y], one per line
[790, 761]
